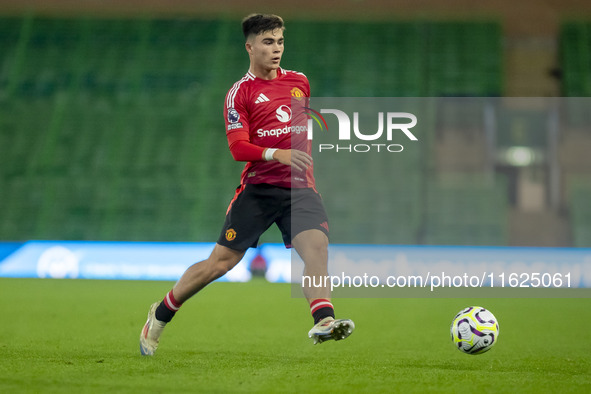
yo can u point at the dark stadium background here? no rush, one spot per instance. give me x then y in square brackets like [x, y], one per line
[111, 128]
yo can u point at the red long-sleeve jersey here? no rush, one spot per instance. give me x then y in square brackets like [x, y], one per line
[258, 115]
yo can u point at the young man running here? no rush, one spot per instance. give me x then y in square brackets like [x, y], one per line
[277, 185]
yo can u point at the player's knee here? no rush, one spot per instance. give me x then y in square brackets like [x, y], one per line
[318, 245]
[220, 270]
[311, 240]
[221, 264]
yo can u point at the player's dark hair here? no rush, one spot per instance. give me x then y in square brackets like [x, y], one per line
[255, 24]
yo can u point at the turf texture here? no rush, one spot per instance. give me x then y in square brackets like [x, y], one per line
[82, 336]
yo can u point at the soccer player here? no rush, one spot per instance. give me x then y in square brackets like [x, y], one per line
[277, 185]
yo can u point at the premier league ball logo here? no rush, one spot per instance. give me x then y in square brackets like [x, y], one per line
[233, 116]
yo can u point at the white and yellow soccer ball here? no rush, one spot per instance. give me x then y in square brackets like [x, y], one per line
[474, 330]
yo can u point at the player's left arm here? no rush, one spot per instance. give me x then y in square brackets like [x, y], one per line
[292, 157]
[243, 150]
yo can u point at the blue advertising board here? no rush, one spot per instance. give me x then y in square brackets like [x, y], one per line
[167, 261]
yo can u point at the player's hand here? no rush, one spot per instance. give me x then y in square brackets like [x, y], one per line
[295, 158]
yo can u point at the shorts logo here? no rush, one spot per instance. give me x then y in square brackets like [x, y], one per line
[230, 234]
[233, 115]
[283, 114]
[297, 94]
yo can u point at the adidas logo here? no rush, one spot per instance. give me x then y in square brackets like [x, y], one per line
[261, 99]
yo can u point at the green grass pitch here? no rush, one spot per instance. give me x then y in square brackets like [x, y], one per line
[82, 336]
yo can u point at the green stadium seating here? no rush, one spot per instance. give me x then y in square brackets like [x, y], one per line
[575, 58]
[111, 129]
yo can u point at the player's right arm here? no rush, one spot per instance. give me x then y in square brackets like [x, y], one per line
[237, 132]
[237, 127]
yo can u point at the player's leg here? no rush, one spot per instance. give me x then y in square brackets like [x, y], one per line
[248, 216]
[305, 226]
[196, 277]
[312, 246]
[221, 260]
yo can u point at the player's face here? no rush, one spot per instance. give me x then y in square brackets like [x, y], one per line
[266, 49]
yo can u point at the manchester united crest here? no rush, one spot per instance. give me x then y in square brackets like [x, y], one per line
[230, 234]
[297, 94]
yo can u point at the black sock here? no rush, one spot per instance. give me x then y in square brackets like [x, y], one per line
[163, 313]
[167, 308]
[321, 308]
[322, 313]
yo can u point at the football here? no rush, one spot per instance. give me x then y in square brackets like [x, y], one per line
[474, 330]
